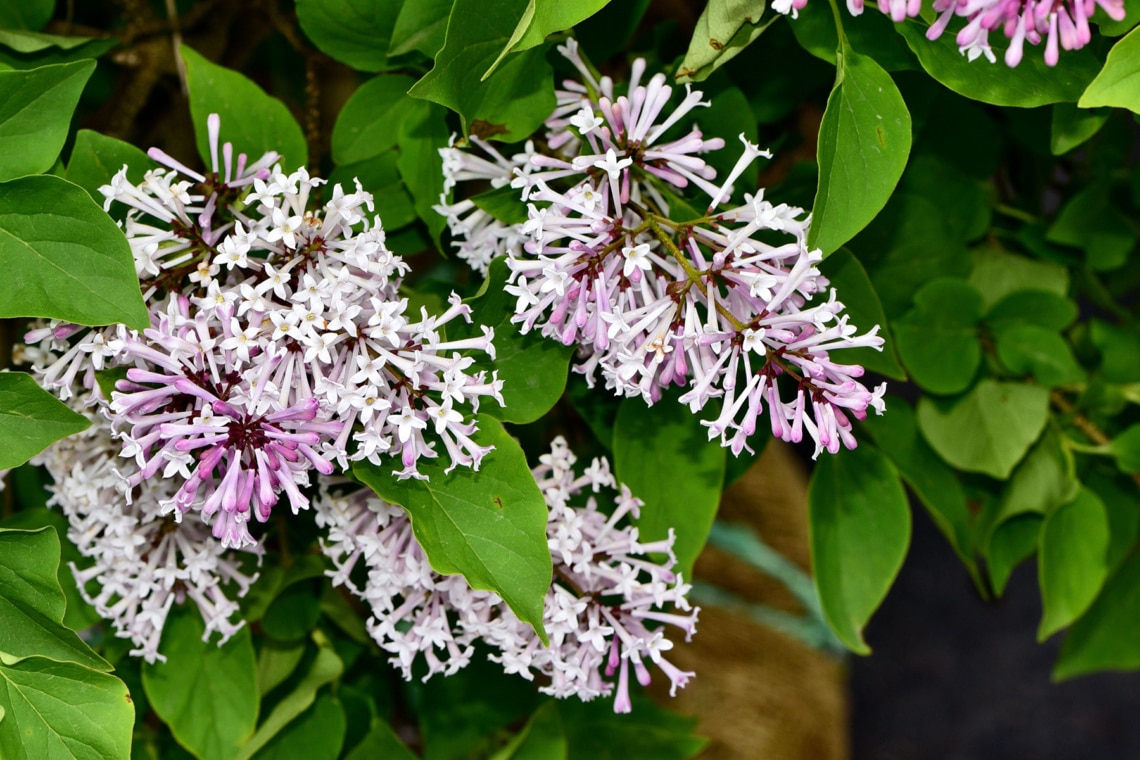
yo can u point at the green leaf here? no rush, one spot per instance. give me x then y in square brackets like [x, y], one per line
[1125, 448]
[595, 732]
[513, 102]
[276, 661]
[542, 18]
[664, 455]
[1041, 483]
[542, 738]
[1122, 503]
[1037, 351]
[1072, 563]
[989, 429]
[998, 273]
[293, 612]
[489, 525]
[1105, 636]
[423, 132]
[380, 742]
[860, 530]
[96, 159]
[1091, 221]
[724, 28]
[1032, 307]
[326, 667]
[273, 580]
[318, 734]
[63, 257]
[32, 602]
[1032, 83]
[420, 26]
[355, 32]
[369, 124]
[1118, 83]
[380, 176]
[934, 483]
[254, 122]
[35, 115]
[31, 419]
[63, 711]
[1011, 543]
[938, 338]
[504, 204]
[1073, 126]
[864, 141]
[205, 693]
[533, 369]
[26, 14]
[1119, 352]
[33, 42]
[872, 35]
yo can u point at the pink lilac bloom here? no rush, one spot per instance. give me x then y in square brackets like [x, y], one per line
[730, 307]
[607, 612]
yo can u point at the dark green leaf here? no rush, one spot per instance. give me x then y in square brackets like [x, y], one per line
[292, 612]
[938, 338]
[489, 525]
[998, 273]
[1118, 83]
[989, 429]
[542, 738]
[63, 711]
[504, 204]
[1032, 83]
[665, 457]
[32, 603]
[864, 142]
[1073, 562]
[253, 121]
[318, 734]
[26, 14]
[1012, 543]
[30, 419]
[1125, 449]
[369, 124]
[1091, 221]
[860, 530]
[1119, 352]
[276, 661]
[935, 484]
[420, 26]
[1073, 126]
[423, 132]
[871, 34]
[513, 101]
[380, 742]
[1032, 307]
[1105, 636]
[1122, 504]
[1037, 351]
[206, 694]
[380, 176]
[356, 32]
[724, 28]
[35, 114]
[96, 158]
[595, 732]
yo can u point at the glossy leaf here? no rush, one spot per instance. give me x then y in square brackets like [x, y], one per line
[1073, 126]
[533, 368]
[989, 429]
[254, 122]
[1118, 83]
[32, 603]
[513, 101]
[355, 32]
[1073, 560]
[31, 419]
[725, 27]
[938, 338]
[96, 159]
[326, 667]
[205, 693]
[864, 141]
[662, 452]
[542, 18]
[860, 531]
[1032, 83]
[63, 257]
[1105, 636]
[62, 711]
[35, 115]
[489, 525]
[369, 124]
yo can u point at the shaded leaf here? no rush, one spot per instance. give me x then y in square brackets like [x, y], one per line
[1105, 636]
[369, 124]
[31, 419]
[938, 338]
[1073, 126]
[355, 32]
[35, 114]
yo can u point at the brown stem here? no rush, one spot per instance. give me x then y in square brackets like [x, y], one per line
[1084, 424]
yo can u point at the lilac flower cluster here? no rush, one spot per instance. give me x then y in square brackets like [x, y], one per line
[730, 305]
[605, 612]
[1060, 23]
[278, 345]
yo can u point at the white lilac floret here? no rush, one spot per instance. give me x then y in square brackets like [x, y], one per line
[607, 612]
[729, 306]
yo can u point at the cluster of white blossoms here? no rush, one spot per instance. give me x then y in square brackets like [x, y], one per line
[730, 305]
[605, 612]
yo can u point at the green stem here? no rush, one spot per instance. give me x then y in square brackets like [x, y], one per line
[1015, 213]
[843, 43]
